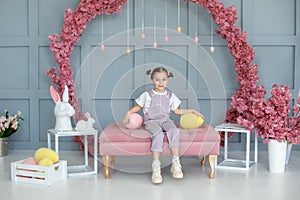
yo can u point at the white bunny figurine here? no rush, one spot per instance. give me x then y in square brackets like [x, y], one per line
[63, 110]
[85, 125]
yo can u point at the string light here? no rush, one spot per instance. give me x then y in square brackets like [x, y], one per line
[143, 20]
[166, 39]
[128, 49]
[154, 28]
[178, 16]
[212, 48]
[196, 39]
[102, 47]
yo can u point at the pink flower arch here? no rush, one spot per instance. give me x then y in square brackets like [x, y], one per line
[248, 105]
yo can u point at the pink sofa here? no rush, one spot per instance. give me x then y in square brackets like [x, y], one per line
[116, 140]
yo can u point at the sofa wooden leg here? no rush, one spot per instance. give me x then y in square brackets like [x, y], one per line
[203, 160]
[212, 159]
[106, 161]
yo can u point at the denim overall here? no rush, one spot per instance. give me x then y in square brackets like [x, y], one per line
[157, 120]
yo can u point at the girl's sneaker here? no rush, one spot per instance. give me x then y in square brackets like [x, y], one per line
[176, 169]
[156, 175]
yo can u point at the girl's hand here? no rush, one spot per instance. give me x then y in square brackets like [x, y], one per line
[198, 113]
[126, 118]
[134, 109]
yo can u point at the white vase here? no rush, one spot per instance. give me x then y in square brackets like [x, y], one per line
[288, 153]
[277, 156]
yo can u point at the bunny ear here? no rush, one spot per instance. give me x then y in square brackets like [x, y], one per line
[66, 94]
[55, 96]
[87, 115]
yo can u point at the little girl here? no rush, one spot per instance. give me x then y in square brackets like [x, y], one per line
[156, 104]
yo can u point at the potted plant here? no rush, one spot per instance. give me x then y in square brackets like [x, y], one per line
[8, 126]
[270, 118]
[274, 122]
[277, 127]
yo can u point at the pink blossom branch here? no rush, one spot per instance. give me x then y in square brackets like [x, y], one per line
[63, 44]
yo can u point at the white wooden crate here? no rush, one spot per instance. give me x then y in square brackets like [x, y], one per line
[36, 174]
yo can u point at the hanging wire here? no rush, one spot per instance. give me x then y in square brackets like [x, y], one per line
[102, 45]
[128, 49]
[212, 48]
[154, 25]
[178, 16]
[143, 21]
[166, 39]
[196, 39]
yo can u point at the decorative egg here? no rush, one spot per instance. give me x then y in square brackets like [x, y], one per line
[45, 162]
[46, 153]
[190, 121]
[30, 161]
[135, 121]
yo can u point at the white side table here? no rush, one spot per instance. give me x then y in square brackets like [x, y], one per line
[80, 169]
[245, 164]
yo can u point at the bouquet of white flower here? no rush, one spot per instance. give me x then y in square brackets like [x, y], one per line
[9, 124]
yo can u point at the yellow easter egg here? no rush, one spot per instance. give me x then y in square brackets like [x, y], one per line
[190, 121]
[200, 121]
[45, 162]
[46, 153]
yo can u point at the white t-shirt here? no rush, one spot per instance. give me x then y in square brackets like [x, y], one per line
[144, 100]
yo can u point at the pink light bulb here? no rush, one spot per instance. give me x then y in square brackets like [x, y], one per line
[166, 39]
[102, 47]
[196, 39]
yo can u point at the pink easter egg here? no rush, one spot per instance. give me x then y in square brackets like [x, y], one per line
[135, 121]
[30, 161]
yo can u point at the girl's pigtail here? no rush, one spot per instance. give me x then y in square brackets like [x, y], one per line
[149, 72]
[170, 74]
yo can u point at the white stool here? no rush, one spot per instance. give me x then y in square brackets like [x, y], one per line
[80, 169]
[227, 127]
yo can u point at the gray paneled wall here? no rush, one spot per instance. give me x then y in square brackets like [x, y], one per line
[108, 81]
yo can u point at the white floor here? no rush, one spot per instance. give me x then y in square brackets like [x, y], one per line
[131, 181]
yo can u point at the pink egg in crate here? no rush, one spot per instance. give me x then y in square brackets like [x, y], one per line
[30, 161]
[135, 121]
